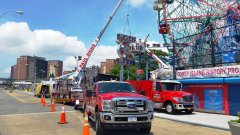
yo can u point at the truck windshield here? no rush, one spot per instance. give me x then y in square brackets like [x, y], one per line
[171, 86]
[115, 87]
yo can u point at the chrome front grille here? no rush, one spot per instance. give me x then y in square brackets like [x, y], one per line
[130, 105]
[187, 98]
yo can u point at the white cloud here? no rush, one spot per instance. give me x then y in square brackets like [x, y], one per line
[137, 3]
[7, 70]
[18, 39]
[102, 53]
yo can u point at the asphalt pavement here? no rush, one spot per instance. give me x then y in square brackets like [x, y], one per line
[22, 114]
[17, 103]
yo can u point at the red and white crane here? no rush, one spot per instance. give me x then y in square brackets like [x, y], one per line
[85, 59]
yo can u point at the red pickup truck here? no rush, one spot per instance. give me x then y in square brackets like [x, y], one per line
[166, 94]
[114, 104]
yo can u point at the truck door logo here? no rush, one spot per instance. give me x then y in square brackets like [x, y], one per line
[131, 105]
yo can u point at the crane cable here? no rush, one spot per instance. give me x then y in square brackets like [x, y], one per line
[127, 21]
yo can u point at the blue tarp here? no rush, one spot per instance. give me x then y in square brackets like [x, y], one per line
[211, 81]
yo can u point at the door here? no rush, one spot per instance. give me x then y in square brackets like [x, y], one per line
[157, 95]
[92, 99]
[234, 98]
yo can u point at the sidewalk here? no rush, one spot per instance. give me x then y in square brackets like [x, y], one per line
[203, 119]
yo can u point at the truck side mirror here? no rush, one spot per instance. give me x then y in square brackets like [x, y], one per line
[88, 93]
[142, 92]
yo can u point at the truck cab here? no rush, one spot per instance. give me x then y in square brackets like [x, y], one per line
[168, 94]
[114, 104]
[77, 97]
[68, 92]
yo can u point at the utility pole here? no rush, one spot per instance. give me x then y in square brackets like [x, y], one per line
[173, 58]
[122, 69]
[147, 69]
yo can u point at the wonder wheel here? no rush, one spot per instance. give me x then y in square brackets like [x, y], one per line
[201, 33]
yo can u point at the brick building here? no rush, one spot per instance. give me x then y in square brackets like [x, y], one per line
[55, 67]
[32, 68]
[107, 66]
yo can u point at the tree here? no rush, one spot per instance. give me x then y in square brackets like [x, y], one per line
[153, 65]
[132, 71]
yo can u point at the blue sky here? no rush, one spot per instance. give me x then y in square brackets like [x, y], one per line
[75, 22]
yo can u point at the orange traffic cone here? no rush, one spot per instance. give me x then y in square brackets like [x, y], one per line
[52, 107]
[86, 130]
[86, 118]
[63, 116]
[41, 101]
[44, 102]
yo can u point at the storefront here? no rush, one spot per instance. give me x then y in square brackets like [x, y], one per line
[217, 95]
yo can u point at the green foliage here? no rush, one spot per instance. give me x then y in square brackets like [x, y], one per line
[238, 117]
[237, 121]
[115, 71]
[132, 69]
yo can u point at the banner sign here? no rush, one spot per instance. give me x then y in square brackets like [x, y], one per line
[213, 100]
[227, 71]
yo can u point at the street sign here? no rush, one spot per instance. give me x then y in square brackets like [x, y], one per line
[126, 38]
[139, 71]
[125, 61]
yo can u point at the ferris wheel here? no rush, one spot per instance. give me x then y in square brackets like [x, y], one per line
[204, 33]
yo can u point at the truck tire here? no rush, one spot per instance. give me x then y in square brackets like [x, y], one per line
[169, 108]
[147, 129]
[189, 111]
[76, 106]
[99, 127]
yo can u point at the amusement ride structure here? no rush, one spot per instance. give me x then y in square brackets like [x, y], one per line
[200, 33]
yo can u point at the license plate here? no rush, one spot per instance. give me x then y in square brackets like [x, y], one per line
[132, 119]
[189, 109]
[77, 102]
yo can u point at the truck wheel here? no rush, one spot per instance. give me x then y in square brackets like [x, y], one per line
[189, 111]
[75, 106]
[82, 108]
[99, 127]
[169, 108]
[147, 129]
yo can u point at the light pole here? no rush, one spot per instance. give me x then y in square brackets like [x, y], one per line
[77, 58]
[16, 11]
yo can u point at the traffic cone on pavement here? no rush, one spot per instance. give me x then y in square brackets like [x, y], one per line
[41, 101]
[52, 107]
[44, 102]
[86, 130]
[85, 117]
[63, 116]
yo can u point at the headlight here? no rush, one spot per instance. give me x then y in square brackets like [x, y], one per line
[106, 105]
[150, 105]
[180, 100]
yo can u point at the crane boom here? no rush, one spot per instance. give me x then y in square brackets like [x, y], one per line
[85, 59]
[161, 64]
[164, 71]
